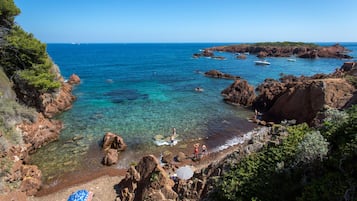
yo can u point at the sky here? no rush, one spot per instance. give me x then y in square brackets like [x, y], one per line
[181, 21]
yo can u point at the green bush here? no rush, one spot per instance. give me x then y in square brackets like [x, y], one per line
[258, 174]
[314, 146]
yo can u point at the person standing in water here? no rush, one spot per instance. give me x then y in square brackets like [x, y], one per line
[173, 136]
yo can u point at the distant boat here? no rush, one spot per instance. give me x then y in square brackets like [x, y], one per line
[246, 53]
[292, 60]
[261, 63]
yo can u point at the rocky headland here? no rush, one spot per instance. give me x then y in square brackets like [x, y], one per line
[298, 98]
[281, 49]
[32, 130]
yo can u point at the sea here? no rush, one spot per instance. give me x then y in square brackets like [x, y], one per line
[142, 90]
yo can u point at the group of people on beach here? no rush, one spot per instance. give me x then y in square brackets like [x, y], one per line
[196, 152]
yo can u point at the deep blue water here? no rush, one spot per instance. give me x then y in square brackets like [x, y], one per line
[142, 90]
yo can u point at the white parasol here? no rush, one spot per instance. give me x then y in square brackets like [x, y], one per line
[184, 172]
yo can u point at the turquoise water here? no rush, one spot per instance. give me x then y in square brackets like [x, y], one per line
[142, 90]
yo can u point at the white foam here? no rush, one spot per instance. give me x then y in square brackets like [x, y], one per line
[240, 140]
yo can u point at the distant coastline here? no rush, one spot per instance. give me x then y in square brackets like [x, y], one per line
[283, 49]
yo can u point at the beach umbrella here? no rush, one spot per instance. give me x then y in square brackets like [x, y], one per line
[184, 172]
[80, 195]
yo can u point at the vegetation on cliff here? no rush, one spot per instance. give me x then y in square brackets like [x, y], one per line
[286, 44]
[23, 57]
[308, 164]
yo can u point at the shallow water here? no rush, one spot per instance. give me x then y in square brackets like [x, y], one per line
[142, 90]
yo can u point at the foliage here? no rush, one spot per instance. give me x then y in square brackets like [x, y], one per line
[294, 170]
[24, 56]
[352, 80]
[287, 44]
[314, 146]
[8, 11]
[263, 170]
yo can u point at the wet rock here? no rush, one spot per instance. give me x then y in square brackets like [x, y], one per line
[113, 141]
[111, 157]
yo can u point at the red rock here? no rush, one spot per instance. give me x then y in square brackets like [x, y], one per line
[74, 79]
[147, 180]
[111, 157]
[113, 141]
[240, 92]
[40, 132]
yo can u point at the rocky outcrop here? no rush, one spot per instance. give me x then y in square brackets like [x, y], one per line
[112, 145]
[40, 132]
[147, 181]
[303, 101]
[60, 102]
[53, 104]
[301, 98]
[74, 79]
[239, 93]
[301, 50]
[49, 103]
[218, 74]
[28, 176]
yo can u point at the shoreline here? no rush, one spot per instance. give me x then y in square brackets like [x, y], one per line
[108, 177]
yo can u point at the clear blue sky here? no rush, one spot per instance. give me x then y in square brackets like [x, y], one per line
[97, 21]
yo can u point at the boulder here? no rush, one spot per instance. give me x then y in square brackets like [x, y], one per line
[113, 141]
[147, 181]
[111, 157]
[239, 93]
[181, 157]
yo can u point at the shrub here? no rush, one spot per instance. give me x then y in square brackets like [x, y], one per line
[314, 146]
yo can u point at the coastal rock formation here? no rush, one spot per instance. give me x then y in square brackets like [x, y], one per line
[239, 93]
[147, 181]
[49, 103]
[54, 104]
[40, 132]
[286, 49]
[302, 102]
[112, 145]
[74, 79]
[111, 157]
[204, 53]
[113, 141]
[301, 98]
[218, 74]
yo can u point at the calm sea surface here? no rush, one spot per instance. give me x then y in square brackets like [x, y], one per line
[142, 90]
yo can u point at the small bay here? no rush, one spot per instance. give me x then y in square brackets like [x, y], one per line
[142, 90]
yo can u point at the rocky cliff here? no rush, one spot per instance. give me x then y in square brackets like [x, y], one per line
[22, 133]
[299, 98]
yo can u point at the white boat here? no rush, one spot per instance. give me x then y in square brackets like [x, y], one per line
[261, 63]
[292, 60]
